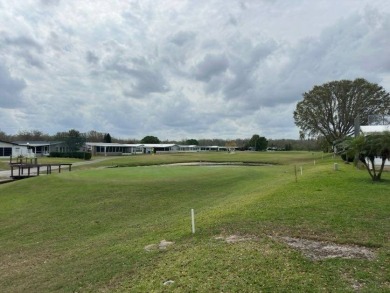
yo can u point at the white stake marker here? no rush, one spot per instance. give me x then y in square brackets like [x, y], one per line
[193, 220]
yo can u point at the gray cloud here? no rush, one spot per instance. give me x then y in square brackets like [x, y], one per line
[345, 50]
[50, 2]
[10, 89]
[181, 38]
[211, 65]
[22, 42]
[141, 82]
[92, 58]
[25, 48]
[182, 69]
[31, 59]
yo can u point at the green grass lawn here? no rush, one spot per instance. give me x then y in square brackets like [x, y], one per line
[85, 230]
[146, 160]
[4, 164]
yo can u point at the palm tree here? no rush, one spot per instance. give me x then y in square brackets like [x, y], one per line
[367, 148]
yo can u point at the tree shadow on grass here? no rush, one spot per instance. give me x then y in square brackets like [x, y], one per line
[385, 179]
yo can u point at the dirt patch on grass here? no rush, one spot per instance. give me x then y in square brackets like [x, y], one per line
[314, 250]
[318, 250]
[235, 238]
[159, 246]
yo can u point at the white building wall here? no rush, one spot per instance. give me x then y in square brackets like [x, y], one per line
[16, 150]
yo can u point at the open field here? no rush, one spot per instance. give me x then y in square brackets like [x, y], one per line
[86, 230]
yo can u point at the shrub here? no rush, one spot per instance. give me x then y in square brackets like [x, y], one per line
[347, 158]
[77, 155]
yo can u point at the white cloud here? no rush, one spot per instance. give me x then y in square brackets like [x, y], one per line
[178, 69]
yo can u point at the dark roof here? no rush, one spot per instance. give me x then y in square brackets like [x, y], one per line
[8, 142]
[36, 143]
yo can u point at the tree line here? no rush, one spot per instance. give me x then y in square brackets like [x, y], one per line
[75, 138]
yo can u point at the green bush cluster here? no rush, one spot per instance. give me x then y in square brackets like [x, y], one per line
[347, 158]
[77, 155]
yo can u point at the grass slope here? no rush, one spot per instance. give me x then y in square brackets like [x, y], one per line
[85, 230]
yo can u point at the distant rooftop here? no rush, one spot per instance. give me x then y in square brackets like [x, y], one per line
[36, 143]
[374, 128]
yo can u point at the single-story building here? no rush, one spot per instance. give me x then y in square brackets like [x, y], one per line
[214, 148]
[119, 149]
[189, 148]
[149, 148]
[197, 148]
[44, 148]
[8, 149]
[113, 149]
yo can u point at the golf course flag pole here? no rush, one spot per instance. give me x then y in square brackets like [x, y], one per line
[193, 220]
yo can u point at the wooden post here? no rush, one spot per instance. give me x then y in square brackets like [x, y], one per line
[38, 167]
[296, 178]
[59, 168]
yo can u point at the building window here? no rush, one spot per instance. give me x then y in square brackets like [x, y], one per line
[5, 152]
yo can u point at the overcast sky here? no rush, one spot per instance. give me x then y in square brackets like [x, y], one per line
[180, 69]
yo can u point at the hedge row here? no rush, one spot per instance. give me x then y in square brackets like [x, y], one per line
[77, 155]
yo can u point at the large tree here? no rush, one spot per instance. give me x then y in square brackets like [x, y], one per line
[231, 145]
[73, 139]
[150, 139]
[3, 136]
[107, 138]
[33, 135]
[258, 143]
[95, 136]
[191, 141]
[330, 109]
